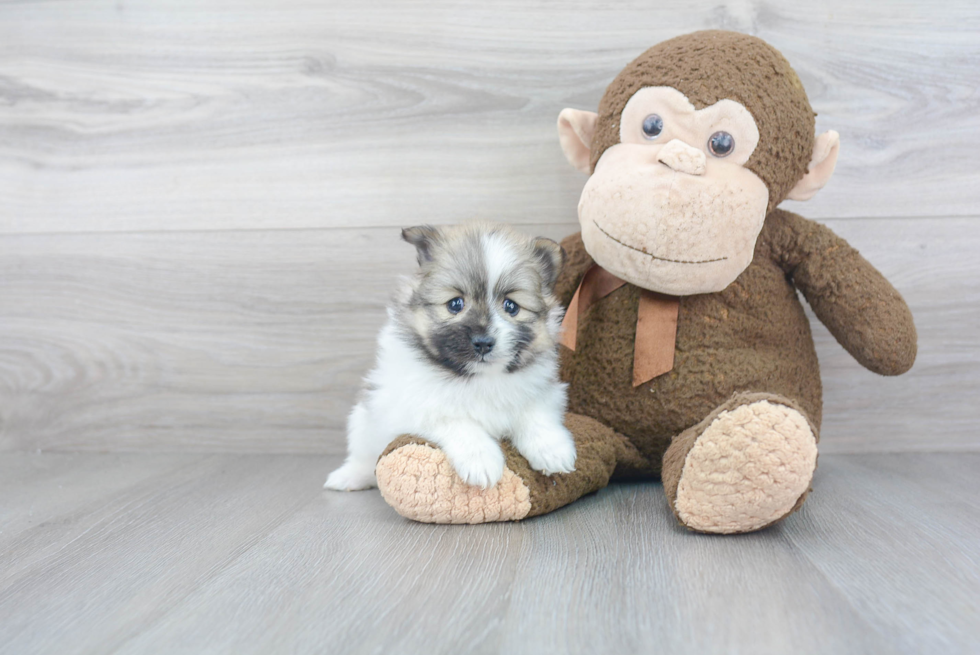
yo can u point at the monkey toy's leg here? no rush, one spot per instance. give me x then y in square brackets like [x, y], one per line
[417, 479]
[746, 466]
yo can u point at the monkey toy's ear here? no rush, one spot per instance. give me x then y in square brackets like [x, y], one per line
[423, 237]
[575, 131]
[822, 164]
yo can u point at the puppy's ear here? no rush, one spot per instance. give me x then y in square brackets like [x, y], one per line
[551, 257]
[423, 237]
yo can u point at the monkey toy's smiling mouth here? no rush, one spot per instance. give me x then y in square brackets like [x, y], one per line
[651, 255]
[680, 234]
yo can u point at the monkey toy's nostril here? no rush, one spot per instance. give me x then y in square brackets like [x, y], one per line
[483, 344]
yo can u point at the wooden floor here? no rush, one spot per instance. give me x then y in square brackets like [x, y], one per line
[138, 553]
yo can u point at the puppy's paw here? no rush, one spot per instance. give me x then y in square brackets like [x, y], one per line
[351, 477]
[479, 463]
[550, 450]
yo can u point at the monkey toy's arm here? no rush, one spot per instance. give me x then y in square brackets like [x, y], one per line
[857, 304]
[577, 262]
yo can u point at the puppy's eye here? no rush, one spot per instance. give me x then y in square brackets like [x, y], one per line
[455, 305]
[653, 125]
[721, 144]
[511, 307]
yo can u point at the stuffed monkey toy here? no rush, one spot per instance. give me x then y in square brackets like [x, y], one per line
[686, 349]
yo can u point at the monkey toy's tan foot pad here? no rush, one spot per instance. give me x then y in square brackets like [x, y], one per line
[417, 479]
[746, 466]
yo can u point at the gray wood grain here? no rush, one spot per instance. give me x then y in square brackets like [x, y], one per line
[141, 116]
[610, 574]
[896, 535]
[633, 571]
[98, 572]
[246, 554]
[35, 489]
[256, 341]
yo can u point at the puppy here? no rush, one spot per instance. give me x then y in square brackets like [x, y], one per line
[468, 357]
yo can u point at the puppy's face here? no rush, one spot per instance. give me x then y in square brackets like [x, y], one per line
[482, 299]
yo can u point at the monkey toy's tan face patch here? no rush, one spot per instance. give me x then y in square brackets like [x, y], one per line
[672, 208]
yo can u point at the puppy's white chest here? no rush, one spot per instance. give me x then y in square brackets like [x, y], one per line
[496, 404]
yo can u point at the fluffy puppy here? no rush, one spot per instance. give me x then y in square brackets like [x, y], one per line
[468, 357]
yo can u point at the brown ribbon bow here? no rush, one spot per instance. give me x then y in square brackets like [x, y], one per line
[656, 323]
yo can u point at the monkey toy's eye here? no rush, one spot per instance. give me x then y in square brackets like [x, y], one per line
[511, 307]
[653, 125]
[721, 144]
[455, 305]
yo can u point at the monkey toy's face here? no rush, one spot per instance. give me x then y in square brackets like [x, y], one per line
[695, 142]
[672, 205]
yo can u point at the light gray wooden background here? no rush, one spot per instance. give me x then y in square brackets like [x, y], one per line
[199, 213]
[201, 200]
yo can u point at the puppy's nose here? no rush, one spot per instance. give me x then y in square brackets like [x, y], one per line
[483, 344]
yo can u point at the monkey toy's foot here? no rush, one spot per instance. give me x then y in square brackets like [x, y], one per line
[746, 466]
[417, 479]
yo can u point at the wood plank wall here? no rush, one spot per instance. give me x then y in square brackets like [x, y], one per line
[201, 200]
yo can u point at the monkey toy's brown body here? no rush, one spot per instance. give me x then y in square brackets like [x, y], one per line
[753, 336]
[731, 423]
[748, 343]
